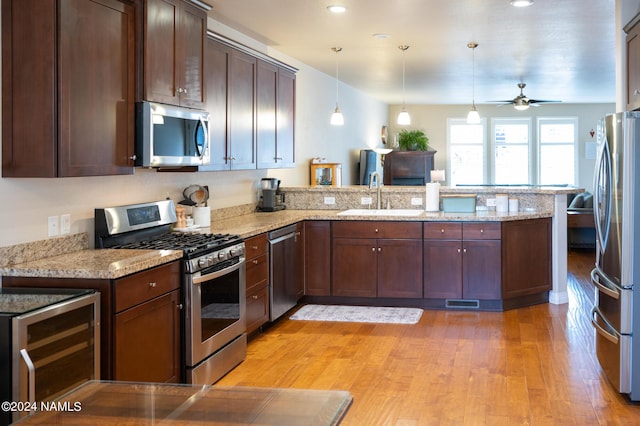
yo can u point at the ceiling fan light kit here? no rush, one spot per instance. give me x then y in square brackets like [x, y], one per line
[337, 118]
[404, 119]
[473, 117]
[522, 102]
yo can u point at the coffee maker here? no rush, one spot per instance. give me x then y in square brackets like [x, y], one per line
[271, 199]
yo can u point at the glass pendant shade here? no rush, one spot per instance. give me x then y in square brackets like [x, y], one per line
[473, 117]
[521, 107]
[336, 118]
[404, 119]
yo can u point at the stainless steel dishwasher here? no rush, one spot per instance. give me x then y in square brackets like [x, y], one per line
[282, 271]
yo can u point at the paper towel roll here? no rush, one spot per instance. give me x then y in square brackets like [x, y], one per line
[202, 216]
[432, 197]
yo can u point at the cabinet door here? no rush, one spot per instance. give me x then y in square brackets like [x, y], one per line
[285, 119]
[161, 47]
[242, 77]
[257, 308]
[354, 271]
[399, 268]
[481, 270]
[147, 341]
[266, 86]
[190, 58]
[442, 269]
[317, 258]
[633, 68]
[217, 67]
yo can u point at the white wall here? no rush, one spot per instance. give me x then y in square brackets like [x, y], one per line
[26, 203]
[433, 120]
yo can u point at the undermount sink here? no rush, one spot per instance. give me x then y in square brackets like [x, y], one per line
[381, 212]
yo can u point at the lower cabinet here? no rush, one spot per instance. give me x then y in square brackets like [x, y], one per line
[377, 259]
[257, 277]
[462, 260]
[317, 258]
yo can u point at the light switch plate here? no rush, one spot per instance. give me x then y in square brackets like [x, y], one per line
[416, 201]
[65, 224]
[491, 202]
[329, 200]
[366, 201]
[53, 226]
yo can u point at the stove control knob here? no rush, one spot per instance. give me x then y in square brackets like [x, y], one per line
[202, 262]
[222, 255]
[233, 252]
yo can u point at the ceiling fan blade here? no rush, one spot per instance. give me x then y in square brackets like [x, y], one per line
[541, 101]
[508, 101]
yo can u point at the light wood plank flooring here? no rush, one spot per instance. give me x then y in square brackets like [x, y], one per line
[531, 366]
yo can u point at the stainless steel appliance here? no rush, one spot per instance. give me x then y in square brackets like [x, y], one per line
[271, 198]
[616, 276]
[49, 344]
[214, 286]
[171, 136]
[282, 271]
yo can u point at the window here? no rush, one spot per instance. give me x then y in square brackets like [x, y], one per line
[557, 139]
[511, 159]
[467, 163]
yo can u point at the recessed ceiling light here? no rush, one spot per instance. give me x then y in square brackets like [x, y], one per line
[381, 36]
[521, 3]
[335, 8]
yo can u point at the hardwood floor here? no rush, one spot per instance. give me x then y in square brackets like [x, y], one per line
[530, 366]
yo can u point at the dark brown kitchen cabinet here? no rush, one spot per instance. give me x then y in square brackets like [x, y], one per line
[275, 116]
[257, 278]
[317, 258]
[377, 259]
[137, 312]
[68, 86]
[174, 44]
[462, 260]
[633, 64]
[408, 167]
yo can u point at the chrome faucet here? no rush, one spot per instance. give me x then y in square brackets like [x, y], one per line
[376, 175]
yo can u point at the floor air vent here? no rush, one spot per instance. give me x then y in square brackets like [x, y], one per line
[462, 303]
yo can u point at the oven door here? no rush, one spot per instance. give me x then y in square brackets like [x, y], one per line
[215, 311]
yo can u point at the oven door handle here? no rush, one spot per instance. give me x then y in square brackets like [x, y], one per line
[218, 274]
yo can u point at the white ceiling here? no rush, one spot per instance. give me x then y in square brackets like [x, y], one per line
[562, 49]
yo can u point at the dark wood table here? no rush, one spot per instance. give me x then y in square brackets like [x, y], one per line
[122, 403]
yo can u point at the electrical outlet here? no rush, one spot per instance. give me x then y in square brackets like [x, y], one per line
[491, 202]
[53, 225]
[329, 200]
[366, 201]
[416, 201]
[65, 224]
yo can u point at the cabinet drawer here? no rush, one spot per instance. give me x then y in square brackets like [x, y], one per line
[481, 231]
[443, 231]
[256, 246]
[366, 229]
[257, 308]
[146, 285]
[257, 272]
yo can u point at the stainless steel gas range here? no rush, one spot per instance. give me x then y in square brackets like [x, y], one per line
[213, 282]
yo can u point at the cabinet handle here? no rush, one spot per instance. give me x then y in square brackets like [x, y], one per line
[376, 230]
[459, 250]
[179, 306]
[379, 249]
[373, 249]
[254, 247]
[152, 284]
[442, 230]
[481, 231]
[133, 157]
[255, 261]
[254, 297]
[464, 250]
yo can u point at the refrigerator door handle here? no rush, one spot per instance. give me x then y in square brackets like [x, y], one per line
[610, 334]
[604, 283]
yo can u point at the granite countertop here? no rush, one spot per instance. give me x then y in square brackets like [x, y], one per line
[252, 224]
[92, 264]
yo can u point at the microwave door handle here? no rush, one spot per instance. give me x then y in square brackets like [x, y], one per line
[206, 137]
[31, 375]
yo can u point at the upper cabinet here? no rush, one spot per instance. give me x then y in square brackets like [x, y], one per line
[633, 63]
[251, 99]
[174, 44]
[67, 88]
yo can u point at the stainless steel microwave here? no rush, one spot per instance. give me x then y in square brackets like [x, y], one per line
[171, 136]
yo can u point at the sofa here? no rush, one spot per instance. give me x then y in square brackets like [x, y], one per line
[581, 232]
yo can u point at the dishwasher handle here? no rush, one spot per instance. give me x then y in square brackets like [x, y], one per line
[281, 234]
[282, 238]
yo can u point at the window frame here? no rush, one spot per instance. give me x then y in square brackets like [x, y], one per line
[540, 121]
[463, 121]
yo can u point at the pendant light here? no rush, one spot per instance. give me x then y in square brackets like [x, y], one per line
[521, 3]
[473, 117]
[404, 119]
[336, 118]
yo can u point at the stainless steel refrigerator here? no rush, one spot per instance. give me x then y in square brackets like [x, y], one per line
[616, 276]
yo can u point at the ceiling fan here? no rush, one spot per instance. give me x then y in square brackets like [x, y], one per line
[521, 102]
